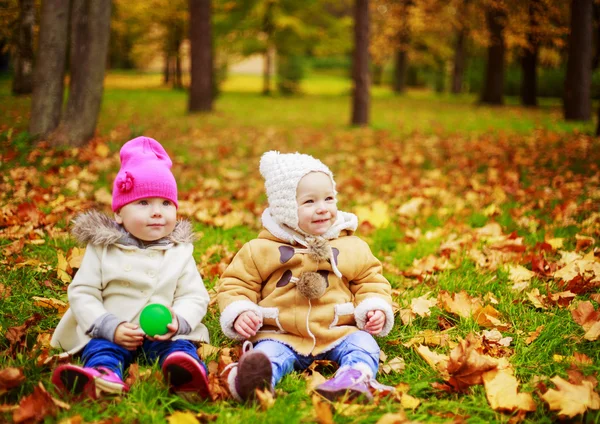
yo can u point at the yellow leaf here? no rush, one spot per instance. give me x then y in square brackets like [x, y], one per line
[519, 273]
[421, 305]
[102, 150]
[377, 215]
[395, 364]
[322, 411]
[179, 417]
[409, 402]
[265, 399]
[75, 256]
[103, 196]
[205, 350]
[44, 302]
[556, 243]
[396, 418]
[62, 268]
[571, 399]
[501, 391]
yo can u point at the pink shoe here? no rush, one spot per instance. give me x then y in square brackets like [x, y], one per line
[184, 373]
[87, 382]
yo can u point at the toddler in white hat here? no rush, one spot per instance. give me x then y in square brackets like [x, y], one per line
[306, 288]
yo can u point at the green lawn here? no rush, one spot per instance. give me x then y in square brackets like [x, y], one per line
[466, 166]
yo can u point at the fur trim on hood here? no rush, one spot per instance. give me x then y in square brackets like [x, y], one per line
[96, 228]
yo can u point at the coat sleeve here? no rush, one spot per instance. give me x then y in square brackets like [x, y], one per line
[85, 291]
[239, 290]
[191, 297]
[371, 289]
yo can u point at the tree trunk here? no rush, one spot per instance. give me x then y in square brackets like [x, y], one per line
[178, 78]
[458, 69]
[49, 73]
[23, 80]
[529, 81]
[267, 72]
[268, 28]
[167, 69]
[578, 81]
[400, 70]
[530, 58]
[90, 32]
[201, 86]
[493, 89]
[360, 98]
[598, 125]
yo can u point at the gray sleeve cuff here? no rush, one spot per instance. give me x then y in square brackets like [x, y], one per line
[184, 326]
[104, 327]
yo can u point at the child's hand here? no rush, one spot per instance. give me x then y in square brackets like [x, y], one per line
[247, 324]
[129, 336]
[375, 322]
[173, 327]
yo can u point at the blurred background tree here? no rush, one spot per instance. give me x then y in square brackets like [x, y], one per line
[527, 49]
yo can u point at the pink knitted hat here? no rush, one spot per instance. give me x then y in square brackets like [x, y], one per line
[145, 172]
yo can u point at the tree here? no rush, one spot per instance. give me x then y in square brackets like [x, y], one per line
[23, 80]
[578, 80]
[529, 57]
[90, 32]
[48, 87]
[401, 57]
[493, 88]
[360, 64]
[201, 86]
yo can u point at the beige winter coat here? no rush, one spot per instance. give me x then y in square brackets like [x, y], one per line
[121, 280]
[264, 276]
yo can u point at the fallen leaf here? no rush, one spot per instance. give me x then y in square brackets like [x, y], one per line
[534, 335]
[63, 270]
[571, 399]
[265, 398]
[501, 391]
[377, 214]
[35, 407]
[180, 417]
[322, 410]
[9, 378]
[43, 302]
[395, 364]
[421, 305]
[206, 350]
[394, 418]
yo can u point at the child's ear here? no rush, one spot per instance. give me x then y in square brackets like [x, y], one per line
[118, 217]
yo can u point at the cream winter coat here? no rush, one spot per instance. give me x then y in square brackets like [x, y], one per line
[265, 276]
[121, 279]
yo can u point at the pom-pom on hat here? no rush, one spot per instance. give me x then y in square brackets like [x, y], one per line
[145, 172]
[282, 173]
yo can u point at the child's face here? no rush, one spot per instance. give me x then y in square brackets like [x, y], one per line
[317, 209]
[148, 219]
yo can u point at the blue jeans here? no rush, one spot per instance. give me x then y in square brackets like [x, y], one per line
[358, 347]
[103, 353]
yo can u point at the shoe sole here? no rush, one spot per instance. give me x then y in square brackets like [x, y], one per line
[254, 372]
[180, 378]
[78, 383]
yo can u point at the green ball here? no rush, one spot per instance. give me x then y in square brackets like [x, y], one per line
[154, 319]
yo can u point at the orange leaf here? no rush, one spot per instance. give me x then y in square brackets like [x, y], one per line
[35, 407]
[9, 378]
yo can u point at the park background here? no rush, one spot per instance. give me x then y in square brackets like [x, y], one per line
[462, 133]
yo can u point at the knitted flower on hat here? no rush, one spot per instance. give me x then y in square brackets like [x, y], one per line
[282, 173]
[145, 172]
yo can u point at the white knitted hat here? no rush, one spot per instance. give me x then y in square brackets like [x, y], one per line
[282, 173]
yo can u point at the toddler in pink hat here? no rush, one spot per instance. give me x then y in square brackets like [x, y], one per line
[143, 256]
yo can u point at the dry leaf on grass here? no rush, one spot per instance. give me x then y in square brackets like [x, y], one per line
[9, 378]
[571, 399]
[585, 315]
[421, 305]
[50, 303]
[534, 335]
[181, 417]
[322, 410]
[395, 418]
[501, 391]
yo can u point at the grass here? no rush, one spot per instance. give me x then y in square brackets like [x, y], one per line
[472, 165]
